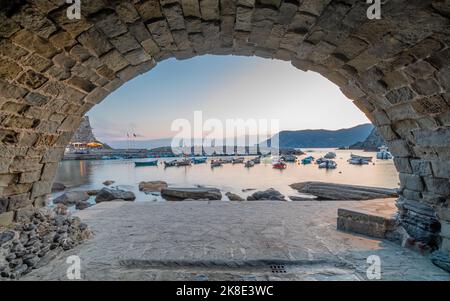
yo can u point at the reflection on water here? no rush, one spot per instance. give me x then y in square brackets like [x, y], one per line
[235, 178]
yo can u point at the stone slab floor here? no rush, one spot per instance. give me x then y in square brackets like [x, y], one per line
[232, 241]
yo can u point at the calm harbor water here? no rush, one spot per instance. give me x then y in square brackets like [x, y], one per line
[84, 175]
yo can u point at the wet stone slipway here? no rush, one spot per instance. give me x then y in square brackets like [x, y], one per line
[202, 240]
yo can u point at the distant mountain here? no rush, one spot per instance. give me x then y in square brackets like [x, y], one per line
[323, 138]
[371, 143]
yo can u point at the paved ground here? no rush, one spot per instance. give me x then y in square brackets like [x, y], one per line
[233, 241]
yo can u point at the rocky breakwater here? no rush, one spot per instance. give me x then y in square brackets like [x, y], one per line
[32, 241]
[184, 194]
[342, 192]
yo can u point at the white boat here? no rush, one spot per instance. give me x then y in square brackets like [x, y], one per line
[238, 160]
[357, 161]
[289, 158]
[383, 153]
[328, 164]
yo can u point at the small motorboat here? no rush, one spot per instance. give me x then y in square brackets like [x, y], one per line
[170, 163]
[321, 160]
[352, 156]
[279, 165]
[239, 160]
[146, 163]
[330, 155]
[199, 160]
[216, 163]
[383, 153]
[289, 158]
[307, 160]
[226, 160]
[328, 164]
[249, 163]
[256, 160]
[358, 161]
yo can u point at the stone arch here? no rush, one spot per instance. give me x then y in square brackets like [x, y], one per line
[396, 70]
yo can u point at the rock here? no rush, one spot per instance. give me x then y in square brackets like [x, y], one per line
[6, 237]
[191, 193]
[108, 182]
[152, 186]
[71, 198]
[82, 205]
[234, 197]
[441, 260]
[267, 195]
[107, 195]
[58, 187]
[331, 191]
[248, 189]
[92, 192]
[300, 199]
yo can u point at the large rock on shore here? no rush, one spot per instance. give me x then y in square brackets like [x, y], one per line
[191, 193]
[107, 195]
[58, 187]
[152, 186]
[71, 198]
[266, 195]
[331, 191]
[233, 197]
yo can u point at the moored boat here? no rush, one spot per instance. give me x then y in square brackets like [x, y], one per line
[257, 160]
[184, 162]
[352, 156]
[249, 163]
[279, 165]
[216, 163]
[198, 160]
[330, 155]
[146, 163]
[289, 158]
[328, 164]
[170, 163]
[307, 160]
[239, 160]
[383, 153]
[357, 161]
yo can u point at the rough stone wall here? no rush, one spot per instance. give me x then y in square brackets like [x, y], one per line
[396, 70]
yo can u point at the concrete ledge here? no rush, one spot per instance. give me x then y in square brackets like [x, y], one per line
[365, 223]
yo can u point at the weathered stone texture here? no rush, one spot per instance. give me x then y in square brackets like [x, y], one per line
[396, 70]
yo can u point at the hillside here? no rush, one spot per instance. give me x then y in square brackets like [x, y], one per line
[371, 143]
[324, 138]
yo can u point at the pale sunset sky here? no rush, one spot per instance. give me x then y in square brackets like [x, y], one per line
[222, 87]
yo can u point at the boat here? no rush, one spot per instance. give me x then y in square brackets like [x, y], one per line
[321, 160]
[352, 156]
[198, 160]
[307, 160]
[184, 162]
[146, 163]
[357, 161]
[330, 155]
[170, 163]
[249, 163]
[328, 164]
[289, 158]
[279, 165]
[225, 160]
[383, 153]
[238, 160]
[216, 163]
[257, 160]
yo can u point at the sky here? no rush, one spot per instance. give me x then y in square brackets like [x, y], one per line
[222, 87]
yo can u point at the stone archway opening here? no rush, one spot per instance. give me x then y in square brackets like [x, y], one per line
[395, 69]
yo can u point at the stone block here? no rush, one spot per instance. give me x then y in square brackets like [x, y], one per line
[364, 223]
[6, 218]
[411, 182]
